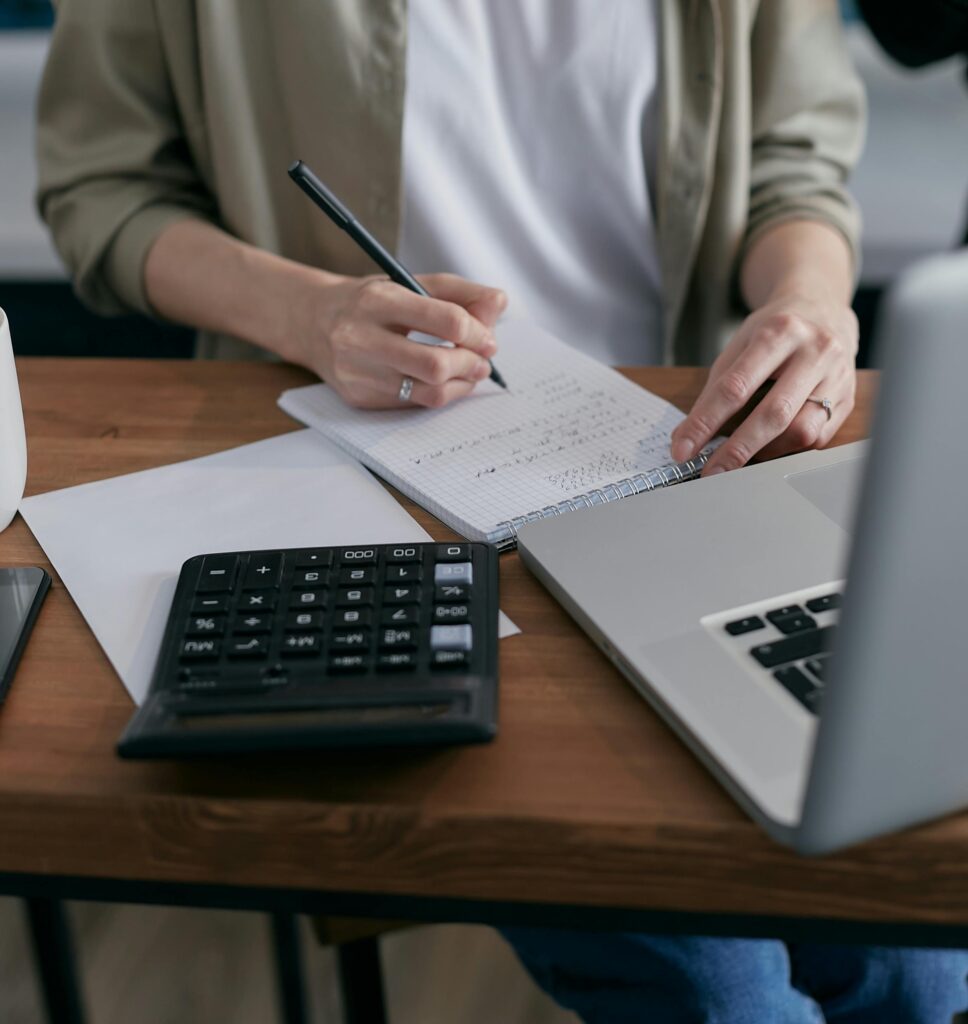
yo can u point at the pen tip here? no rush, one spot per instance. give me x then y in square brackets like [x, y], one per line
[497, 378]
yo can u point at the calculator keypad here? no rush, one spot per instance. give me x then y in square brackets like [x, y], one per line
[310, 617]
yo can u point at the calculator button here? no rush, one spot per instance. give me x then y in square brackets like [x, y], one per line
[453, 572]
[353, 617]
[453, 552]
[301, 643]
[314, 558]
[451, 613]
[398, 639]
[205, 625]
[405, 615]
[255, 623]
[397, 661]
[357, 556]
[344, 639]
[354, 597]
[304, 620]
[452, 592]
[401, 595]
[397, 553]
[261, 600]
[356, 577]
[196, 684]
[210, 605]
[349, 663]
[307, 599]
[247, 647]
[451, 638]
[264, 571]
[217, 574]
[449, 659]
[192, 649]
[311, 579]
[403, 574]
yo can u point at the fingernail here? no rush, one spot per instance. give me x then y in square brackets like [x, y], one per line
[715, 470]
[682, 449]
[490, 347]
[482, 370]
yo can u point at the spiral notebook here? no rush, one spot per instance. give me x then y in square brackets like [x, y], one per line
[568, 433]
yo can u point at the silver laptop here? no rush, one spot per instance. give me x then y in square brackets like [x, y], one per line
[833, 711]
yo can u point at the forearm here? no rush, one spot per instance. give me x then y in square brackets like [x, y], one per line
[198, 275]
[798, 258]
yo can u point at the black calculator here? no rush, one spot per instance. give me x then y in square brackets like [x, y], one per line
[325, 647]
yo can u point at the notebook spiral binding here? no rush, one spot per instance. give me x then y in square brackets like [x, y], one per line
[666, 476]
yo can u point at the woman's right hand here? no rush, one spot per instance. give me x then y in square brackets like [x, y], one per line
[353, 333]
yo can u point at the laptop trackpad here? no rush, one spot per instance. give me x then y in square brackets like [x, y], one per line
[832, 489]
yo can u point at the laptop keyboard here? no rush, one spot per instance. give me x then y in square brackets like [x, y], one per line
[793, 642]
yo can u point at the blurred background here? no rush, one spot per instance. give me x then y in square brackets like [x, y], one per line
[912, 185]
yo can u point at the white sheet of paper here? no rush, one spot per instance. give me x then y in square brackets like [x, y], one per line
[119, 544]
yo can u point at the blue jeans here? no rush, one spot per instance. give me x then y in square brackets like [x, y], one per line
[612, 978]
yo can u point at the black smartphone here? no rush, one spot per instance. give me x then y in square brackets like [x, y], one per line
[21, 594]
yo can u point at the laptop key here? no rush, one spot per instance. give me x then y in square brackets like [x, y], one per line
[795, 647]
[826, 603]
[782, 613]
[797, 683]
[818, 666]
[747, 625]
[794, 623]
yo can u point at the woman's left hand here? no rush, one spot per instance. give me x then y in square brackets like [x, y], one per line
[808, 348]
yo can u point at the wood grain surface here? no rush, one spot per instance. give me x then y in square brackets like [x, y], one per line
[584, 798]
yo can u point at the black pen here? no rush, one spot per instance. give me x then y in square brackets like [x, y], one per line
[345, 220]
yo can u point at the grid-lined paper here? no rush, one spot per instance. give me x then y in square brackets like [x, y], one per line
[566, 425]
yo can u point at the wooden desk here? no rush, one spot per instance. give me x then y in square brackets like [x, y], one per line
[586, 810]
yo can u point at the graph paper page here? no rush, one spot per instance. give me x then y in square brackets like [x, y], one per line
[566, 425]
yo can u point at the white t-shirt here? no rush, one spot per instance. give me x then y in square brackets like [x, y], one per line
[529, 142]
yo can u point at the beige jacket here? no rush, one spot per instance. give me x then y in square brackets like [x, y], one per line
[156, 110]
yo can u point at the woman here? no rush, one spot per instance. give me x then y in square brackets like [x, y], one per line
[637, 175]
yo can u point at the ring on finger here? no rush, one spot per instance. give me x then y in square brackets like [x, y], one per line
[826, 405]
[406, 389]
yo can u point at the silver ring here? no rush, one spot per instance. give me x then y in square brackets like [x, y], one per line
[406, 387]
[826, 404]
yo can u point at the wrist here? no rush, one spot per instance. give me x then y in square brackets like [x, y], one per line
[294, 305]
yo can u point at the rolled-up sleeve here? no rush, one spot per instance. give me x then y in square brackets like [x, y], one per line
[114, 165]
[808, 109]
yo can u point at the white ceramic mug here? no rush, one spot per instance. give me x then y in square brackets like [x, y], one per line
[13, 441]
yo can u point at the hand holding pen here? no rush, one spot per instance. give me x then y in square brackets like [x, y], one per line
[373, 363]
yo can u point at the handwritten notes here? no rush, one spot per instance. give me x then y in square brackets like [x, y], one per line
[567, 425]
